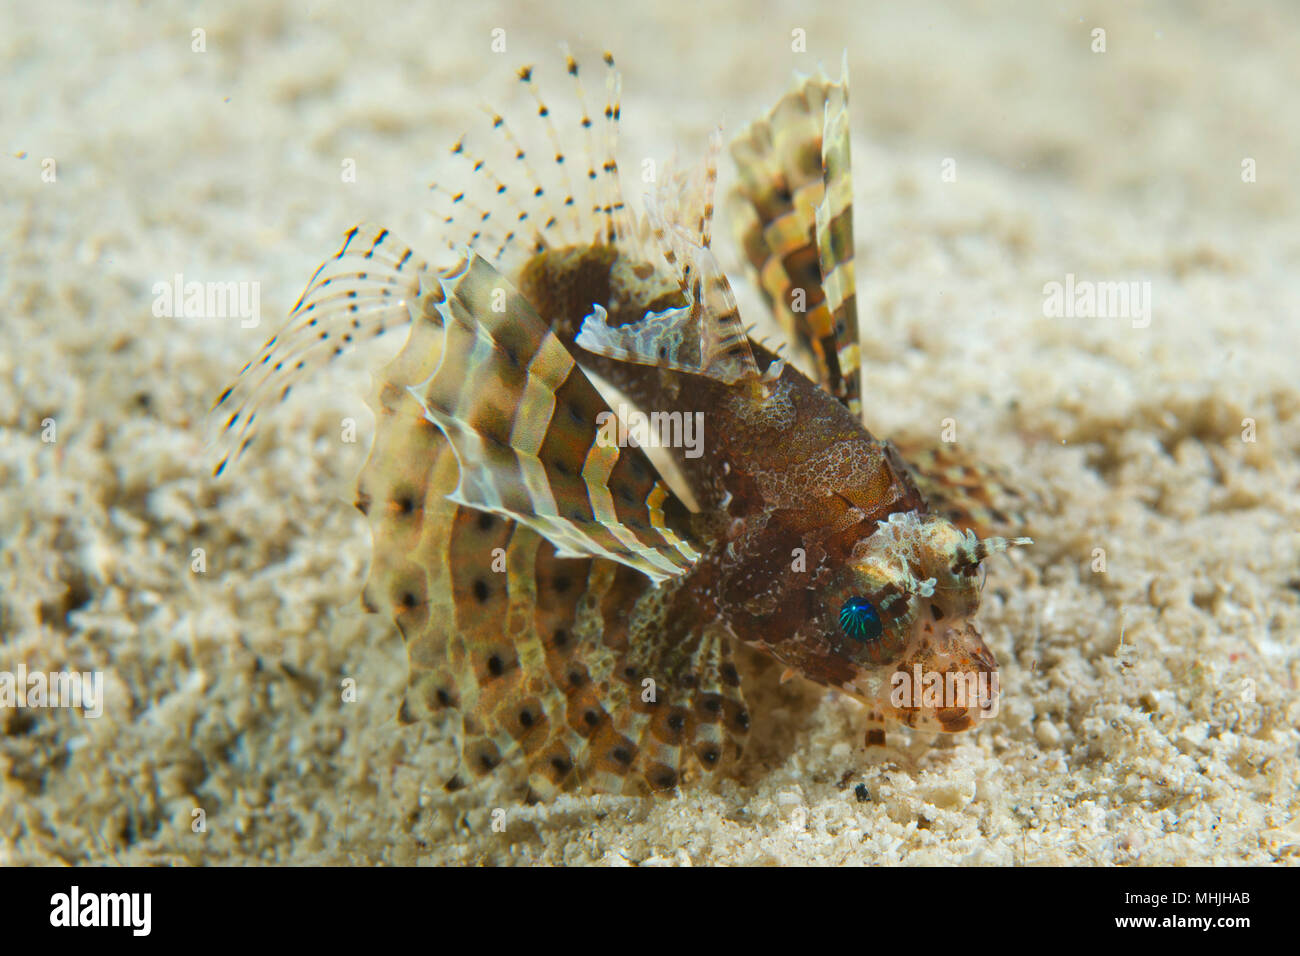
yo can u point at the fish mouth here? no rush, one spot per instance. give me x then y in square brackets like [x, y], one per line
[948, 684]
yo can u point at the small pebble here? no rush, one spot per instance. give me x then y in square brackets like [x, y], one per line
[1047, 733]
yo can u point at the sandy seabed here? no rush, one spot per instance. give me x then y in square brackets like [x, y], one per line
[1149, 711]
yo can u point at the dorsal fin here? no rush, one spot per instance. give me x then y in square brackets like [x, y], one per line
[835, 242]
[794, 220]
[533, 184]
[705, 335]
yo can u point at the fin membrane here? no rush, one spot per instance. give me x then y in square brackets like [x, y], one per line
[545, 660]
[973, 495]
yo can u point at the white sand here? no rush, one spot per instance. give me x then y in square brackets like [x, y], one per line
[223, 687]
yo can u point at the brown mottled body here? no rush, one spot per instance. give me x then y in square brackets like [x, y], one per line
[801, 483]
[788, 465]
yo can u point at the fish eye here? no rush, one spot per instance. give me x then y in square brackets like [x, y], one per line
[859, 620]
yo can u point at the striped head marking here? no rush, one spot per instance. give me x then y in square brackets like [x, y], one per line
[898, 615]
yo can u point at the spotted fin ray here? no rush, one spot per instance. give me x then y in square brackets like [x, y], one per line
[793, 208]
[357, 294]
[533, 437]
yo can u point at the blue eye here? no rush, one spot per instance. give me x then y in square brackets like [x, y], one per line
[859, 620]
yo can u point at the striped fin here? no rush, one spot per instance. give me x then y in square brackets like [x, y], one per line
[539, 661]
[357, 294]
[835, 243]
[533, 436]
[794, 219]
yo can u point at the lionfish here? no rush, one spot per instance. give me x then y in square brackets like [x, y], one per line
[553, 591]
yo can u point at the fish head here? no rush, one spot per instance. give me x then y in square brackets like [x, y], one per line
[899, 617]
